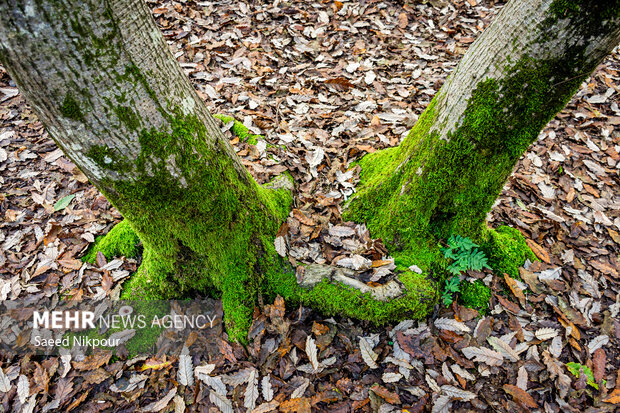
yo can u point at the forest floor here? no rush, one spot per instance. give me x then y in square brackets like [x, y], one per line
[325, 83]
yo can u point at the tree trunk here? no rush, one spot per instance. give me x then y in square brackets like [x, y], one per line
[445, 176]
[102, 80]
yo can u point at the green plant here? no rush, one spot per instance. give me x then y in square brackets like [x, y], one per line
[452, 286]
[465, 254]
[576, 369]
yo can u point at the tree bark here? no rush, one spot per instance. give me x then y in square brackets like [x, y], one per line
[102, 80]
[445, 176]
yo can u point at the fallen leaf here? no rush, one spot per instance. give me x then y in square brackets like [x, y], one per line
[614, 397]
[484, 355]
[162, 403]
[520, 396]
[311, 351]
[63, 202]
[368, 355]
[93, 361]
[539, 251]
[403, 21]
[516, 291]
[385, 394]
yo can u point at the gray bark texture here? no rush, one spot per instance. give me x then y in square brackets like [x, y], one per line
[96, 73]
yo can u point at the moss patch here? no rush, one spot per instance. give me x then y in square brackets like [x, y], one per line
[121, 241]
[107, 158]
[475, 295]
[507, 250]
[239, 129]
[70, 108]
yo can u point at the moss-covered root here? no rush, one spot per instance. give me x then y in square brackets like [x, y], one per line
[506, 249]
[232, 262]
[121, 241]
[475, 295]
[239, 129]
[334, 298]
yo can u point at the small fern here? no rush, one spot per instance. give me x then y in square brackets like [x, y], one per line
[452, 286]
[465, 254]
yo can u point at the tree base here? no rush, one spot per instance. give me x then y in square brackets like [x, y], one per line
[121, 241]
[330, 293]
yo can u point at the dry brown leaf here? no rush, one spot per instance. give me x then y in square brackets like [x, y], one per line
[385, 394]
[539, 251]
[155, 363]
[301, 405]
[63, 389]
[599, 359]
[340, 83]
[520, 396]
[380, 263]
[303, 218]
[516, 291]
[614, 397]
[319, 329]
[403, 21]
[78, 401]
[614, 235]
[41, 380]
[94, 361]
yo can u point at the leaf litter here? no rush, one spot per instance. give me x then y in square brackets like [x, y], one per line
[332, 81]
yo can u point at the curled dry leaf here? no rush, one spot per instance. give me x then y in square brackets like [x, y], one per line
[5, 384]
[539, 251]
[162, 403]
[442, 404]
[267, 389]
[456, 393]
[385, 394]
[311, 351]
[504, 348]
[598, 342]
[391, 377]
[251, 391]
[280, 244]
[185, 374]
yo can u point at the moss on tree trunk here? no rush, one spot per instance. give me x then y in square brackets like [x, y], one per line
[445, 176]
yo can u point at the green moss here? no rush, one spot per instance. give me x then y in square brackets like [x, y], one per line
[70, 108]
[507, 250]
[239, 129]
[121, 241]
[204, 222]
[562, 8]
[594, 11]
[475, 295]
[127, 116]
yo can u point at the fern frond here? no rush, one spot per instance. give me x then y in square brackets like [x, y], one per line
[476, 260]
[461, 243]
